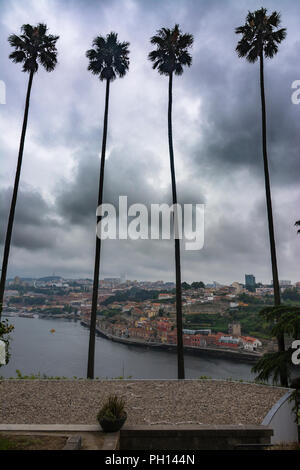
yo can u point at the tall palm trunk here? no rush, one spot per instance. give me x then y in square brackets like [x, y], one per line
[280, 338]
[14, 197]
[180, 356]
[91, 357]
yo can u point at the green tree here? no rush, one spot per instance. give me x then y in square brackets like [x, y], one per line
[169, 58]
[291, 294]
[260, 38]
[185, 286]
[198, 285]
[108, 60]
[33, 47]
[285, 320]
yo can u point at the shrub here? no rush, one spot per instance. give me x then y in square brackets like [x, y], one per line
[112, 409]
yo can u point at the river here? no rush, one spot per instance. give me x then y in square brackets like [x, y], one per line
[34, 349]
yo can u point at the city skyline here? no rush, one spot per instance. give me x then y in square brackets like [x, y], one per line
[283, 282]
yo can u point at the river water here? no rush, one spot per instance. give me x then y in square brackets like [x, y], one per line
[64, 353]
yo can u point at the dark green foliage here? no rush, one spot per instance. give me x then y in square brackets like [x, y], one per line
[251, 322]
[113, 408]
[291, 294]
[285, 320]
[260, 35]
[27, 300]
[109, 313]
[194, 285]
[134, 294]
[5, 330]
[171, 52]
[273, 365]
[297, 224]
[33, 47]
[185, 286]
[109, 58]
[198, 285]
[249, 299]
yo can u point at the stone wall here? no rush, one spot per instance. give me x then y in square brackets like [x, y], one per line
[189, 437]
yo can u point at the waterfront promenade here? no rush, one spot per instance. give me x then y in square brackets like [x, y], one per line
[239, 355]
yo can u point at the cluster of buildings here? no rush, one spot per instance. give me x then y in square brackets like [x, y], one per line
[163, 330]
[152, 320]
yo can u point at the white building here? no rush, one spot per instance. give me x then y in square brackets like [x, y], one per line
[251, 344]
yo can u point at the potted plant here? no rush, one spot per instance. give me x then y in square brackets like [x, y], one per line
[112, 415]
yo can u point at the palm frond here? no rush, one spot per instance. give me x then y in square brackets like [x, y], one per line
[109, 58]
[171, 53]
[17, 56]
[260, 35]
[33, 47]
[272, 366]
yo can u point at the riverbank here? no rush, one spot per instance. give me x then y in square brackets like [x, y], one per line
[245, 357]
[59, 348]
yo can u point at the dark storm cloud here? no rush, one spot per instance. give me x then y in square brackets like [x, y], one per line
[34, 228]
[217, 141]
[230, 93]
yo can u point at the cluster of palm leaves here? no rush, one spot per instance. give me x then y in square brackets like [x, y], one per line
[109, 59]
[284, 320]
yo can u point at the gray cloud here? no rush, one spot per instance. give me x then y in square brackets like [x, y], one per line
[217, 141]
[34, 228]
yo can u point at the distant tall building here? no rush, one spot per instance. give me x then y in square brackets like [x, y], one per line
[249, 280]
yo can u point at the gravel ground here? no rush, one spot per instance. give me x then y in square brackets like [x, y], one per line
[147, 402]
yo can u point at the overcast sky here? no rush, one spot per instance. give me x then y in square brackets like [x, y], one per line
[217, 141]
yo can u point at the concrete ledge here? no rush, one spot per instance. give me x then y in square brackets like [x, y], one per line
[210, 429]
[50, 427]
[192, 437]
[160, 437]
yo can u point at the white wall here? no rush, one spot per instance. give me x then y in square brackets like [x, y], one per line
[281, 419]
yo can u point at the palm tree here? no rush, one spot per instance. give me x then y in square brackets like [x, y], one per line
[33, 47]
[284, 319]
[169, 58]
[109, 60]
[260, 38]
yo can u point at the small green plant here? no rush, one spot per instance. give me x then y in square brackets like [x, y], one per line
[38, 376]
[112, 409]
[5, 330]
